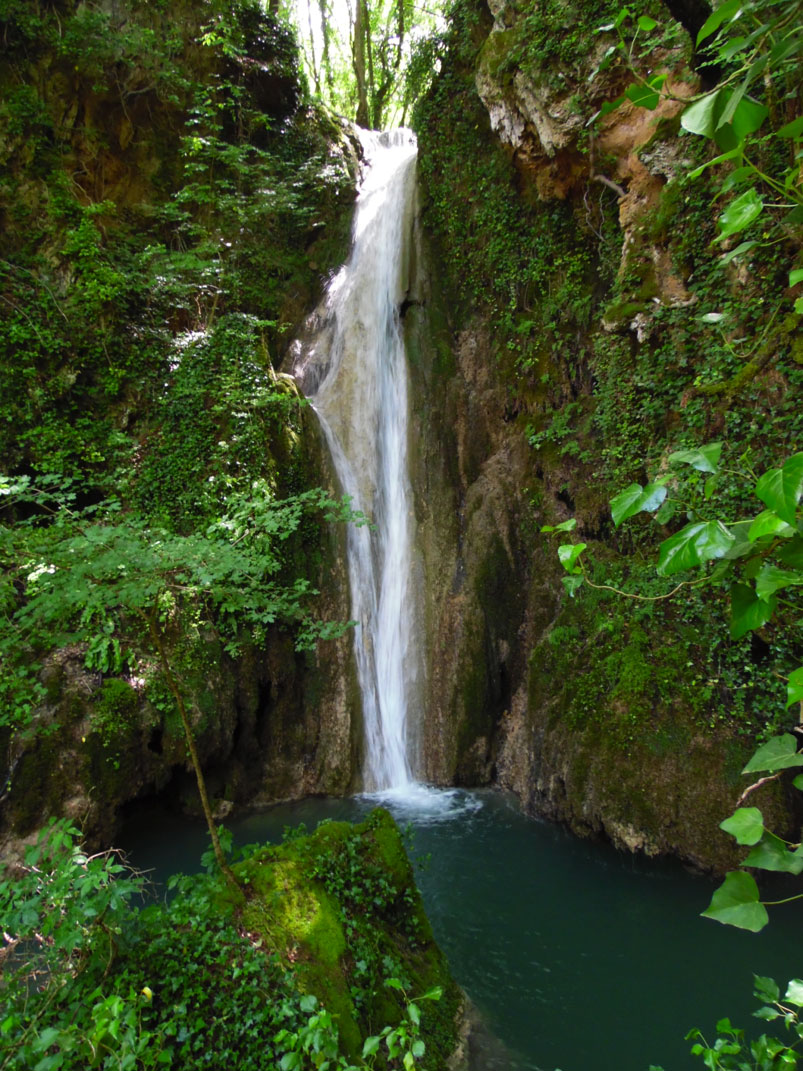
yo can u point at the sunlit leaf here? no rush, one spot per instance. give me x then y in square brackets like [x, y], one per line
[767, 523]
[794, 687]
[772, 854]
[693, 545]
[736, 903]
[568, 553]
[703, 458]
[740, 250]
[779, 753]
[746, 825]
[730, 9]
[739, 214]
[794, 993]
[780, 489]
[635, 499]
[701, 116]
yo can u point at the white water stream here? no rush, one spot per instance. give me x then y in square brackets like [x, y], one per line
[354, 371]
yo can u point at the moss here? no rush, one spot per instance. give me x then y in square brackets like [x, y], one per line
[312, 900]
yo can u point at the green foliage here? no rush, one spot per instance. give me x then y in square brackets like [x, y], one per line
[109, 579]
[755, 46]
[92, 980]
[733, 1051]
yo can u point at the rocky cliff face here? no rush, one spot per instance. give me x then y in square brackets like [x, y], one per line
[557, 357]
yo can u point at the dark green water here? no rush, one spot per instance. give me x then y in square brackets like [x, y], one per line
[577, 956]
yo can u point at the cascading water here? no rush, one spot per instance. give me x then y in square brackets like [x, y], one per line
[354, 371]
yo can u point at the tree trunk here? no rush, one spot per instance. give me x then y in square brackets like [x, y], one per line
[358, 61]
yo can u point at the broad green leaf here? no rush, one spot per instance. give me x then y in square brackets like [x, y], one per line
[747, 116]
[739, 251]
[767, 523]
[798, 781]
[772, 854]
[736, 903]
[779, 753]
[646, 24]
[572, 583]
[794, 687]
[635, 499]
[667, 511]
[791, 130]
[739, 214]
[701, 116]
[748, 612]
[765, 988]
[568, 553]
[796, 276]
[730, 9]
[370, 1046]
[564, 526]
[746, 825]
[771, 579]
[794, 993]
[791, 553]
[693, 545]
[730, 155]
[780, 489]
[646, 96]
[703, 458]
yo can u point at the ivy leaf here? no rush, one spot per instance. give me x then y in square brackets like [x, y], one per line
[746, 825]
[739, 214]
[772, 854]
[794, 687]
[736, 903]
[568, 553]
[780, 489]
[702, 458]
[779, 753]
[693, 545]
[636, 499]
[748, 612]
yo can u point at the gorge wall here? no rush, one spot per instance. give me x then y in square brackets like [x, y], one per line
[559, 353]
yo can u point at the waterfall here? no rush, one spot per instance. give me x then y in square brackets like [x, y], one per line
[353, 369]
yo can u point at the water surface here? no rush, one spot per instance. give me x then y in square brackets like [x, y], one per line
[577, 956]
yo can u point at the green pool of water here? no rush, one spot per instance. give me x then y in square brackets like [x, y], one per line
[575, 955]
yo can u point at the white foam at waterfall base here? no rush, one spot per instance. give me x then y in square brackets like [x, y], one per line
[357, 368]
[425, 805]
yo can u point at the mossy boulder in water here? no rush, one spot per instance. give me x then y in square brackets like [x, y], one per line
[341, 905]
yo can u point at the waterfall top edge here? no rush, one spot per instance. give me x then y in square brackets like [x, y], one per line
[400, 137]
